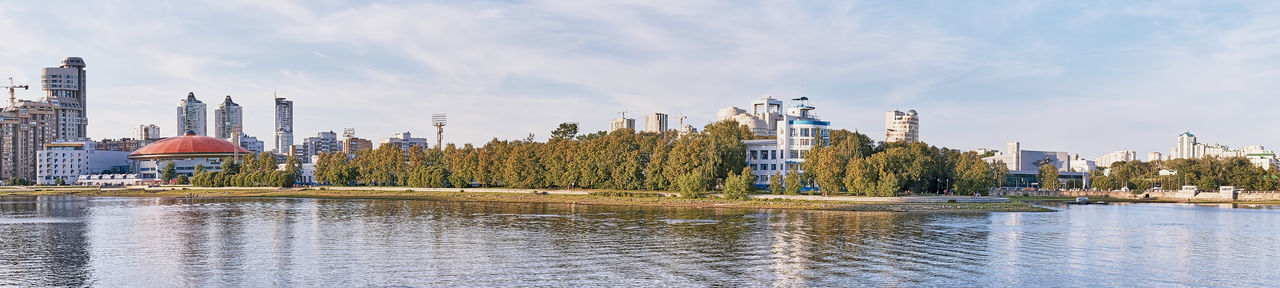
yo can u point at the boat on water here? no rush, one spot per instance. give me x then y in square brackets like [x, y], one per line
[1085, 201]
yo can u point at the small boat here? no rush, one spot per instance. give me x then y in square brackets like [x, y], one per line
[1085, 201]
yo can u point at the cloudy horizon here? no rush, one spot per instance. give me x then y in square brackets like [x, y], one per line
[1082, 77]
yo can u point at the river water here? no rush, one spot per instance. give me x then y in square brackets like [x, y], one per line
[159, 242]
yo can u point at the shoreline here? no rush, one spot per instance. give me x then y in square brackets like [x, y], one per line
[584, 197]
[1126, 200]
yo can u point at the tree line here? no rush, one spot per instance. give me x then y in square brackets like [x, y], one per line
[260, 170]
[693, 163]
[1207, 174]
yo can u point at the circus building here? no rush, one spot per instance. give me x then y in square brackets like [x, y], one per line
[186, 152]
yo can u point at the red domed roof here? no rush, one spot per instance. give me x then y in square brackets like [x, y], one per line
[188, 146]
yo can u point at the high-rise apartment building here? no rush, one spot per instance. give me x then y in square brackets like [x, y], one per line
[1186, 148]
[655, 122]
[901, 127]
[147, 132]
[324, 142]
[228, 119]
[284, 126]
[64, 88]
[24, 129]
[191, 116]
[1117, 156]
[620, 123]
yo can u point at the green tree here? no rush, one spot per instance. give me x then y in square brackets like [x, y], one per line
[168, 171]
[792, 182]
[739, 186]
[565, 131]
[182, 179]
[198, 169]
[972, 175]
[692, 185]
[1048, 177]
[775, 183]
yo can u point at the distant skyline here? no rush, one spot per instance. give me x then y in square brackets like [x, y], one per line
[1087, 77]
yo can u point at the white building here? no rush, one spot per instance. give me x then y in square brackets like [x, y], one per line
[252, 144]
[404, 140]
[109, 180]
[1154, 156]
[147, 132]
[191, 116]
[901, 127]
[228, 119]
[69, 160]
[1265, 160]
[64, 87]
[622, 123]
[1024, 165]
[655, 122]
[1188, 148]
[284, 126]
[307, 173]
[1117, 156]
[763, 118]
[797, 133]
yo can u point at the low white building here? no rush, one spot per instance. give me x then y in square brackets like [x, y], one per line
[404, 140]
[69, 160]
[109, 180]
[797, 133]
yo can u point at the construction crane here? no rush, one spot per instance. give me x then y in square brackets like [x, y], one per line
[13, 100]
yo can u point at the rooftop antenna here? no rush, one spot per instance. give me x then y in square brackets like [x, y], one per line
[624, 114]
[439, 120]
[13, 101]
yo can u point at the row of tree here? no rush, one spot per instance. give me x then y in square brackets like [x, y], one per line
[260, 170]
[1207, 174]
[714, 158]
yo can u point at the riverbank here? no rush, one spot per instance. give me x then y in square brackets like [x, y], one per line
[585, 197]
[1131, 200]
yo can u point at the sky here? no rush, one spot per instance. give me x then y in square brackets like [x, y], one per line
[1086, 77]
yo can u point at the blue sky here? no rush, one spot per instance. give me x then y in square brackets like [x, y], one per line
[1079, 76]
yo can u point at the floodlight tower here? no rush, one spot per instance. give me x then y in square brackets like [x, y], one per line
[439, 120]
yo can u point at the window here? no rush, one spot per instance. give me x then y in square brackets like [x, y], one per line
[753, 154]
[773, 167]
[804, 132]
[773, 154]
[794, 154]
